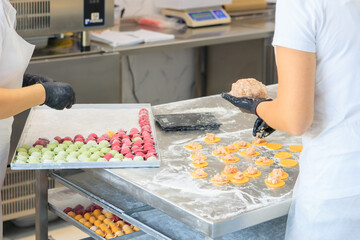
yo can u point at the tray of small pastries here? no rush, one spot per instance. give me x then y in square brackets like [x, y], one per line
[88, 136]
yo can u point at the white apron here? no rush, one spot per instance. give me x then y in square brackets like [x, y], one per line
[15, 54]
[326, 199]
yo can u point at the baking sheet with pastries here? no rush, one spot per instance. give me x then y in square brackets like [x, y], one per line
[200, 194]
[84, 120]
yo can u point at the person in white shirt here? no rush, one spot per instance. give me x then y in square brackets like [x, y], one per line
[19, 92]
[317, 45]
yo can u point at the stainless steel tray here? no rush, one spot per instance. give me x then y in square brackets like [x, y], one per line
[210, 209]
[60, 198]
[83, 119]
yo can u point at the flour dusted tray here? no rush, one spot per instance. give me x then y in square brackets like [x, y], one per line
[86, 119]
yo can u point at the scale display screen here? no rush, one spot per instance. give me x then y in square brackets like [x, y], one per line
[219, 13]
[202, 16]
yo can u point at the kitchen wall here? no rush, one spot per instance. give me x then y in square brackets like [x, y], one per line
[137, 7]
[159, 77]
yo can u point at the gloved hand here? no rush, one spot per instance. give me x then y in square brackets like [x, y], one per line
[261, 129]
[31, 79]
[245, 104]
[59, 95]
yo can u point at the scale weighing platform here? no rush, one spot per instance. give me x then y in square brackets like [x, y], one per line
[198, 13]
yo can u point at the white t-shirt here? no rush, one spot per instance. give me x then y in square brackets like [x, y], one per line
[329, 28]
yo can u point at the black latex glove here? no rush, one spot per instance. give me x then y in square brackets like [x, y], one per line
[261, 129]
[59, 95]
[245, 104]
[31, 79]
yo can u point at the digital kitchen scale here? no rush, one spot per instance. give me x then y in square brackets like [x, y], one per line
[196, 13]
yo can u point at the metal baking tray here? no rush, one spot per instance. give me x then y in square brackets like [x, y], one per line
[83, 119]
[61, 198]
[213, 210]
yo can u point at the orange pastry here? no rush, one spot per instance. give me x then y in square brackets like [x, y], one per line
[229, 171]
[112, 224]
[109, 215]
[252, 172]
[119, 233]
[96, 212]
[239, 178]
[288, 163]
[109, 235]
[82, 220]
[279, 173]
[97, 223]
[71, 214]
[199, 163]
[264, 161]
[198, 155]
[120, 223]
[99, 232]
[92, 219]
[274, 146]
[87, 216]
[135, 229]
[220, 151]
[229, 158]
[295, 148]
[103, 227]
[115, 229]
[231, 148]
[199, 173]
[250, 152]
[242, 144]
[88, 224]
[193, 146]
[211, 138]
[93, 228]
[259, 142]
[283, 155]
[101, 217]
[127, 229]
[274, 181]
[108, 221]
[78, 217]
[219, 179]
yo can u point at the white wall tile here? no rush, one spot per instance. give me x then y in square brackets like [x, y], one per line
[137, 7]
[160, 77]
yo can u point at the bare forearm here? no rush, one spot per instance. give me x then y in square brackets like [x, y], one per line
[293, 109]
[14, 101]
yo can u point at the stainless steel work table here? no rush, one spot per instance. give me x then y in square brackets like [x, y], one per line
[209, 209]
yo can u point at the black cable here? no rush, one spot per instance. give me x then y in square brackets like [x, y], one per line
[132, 80]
